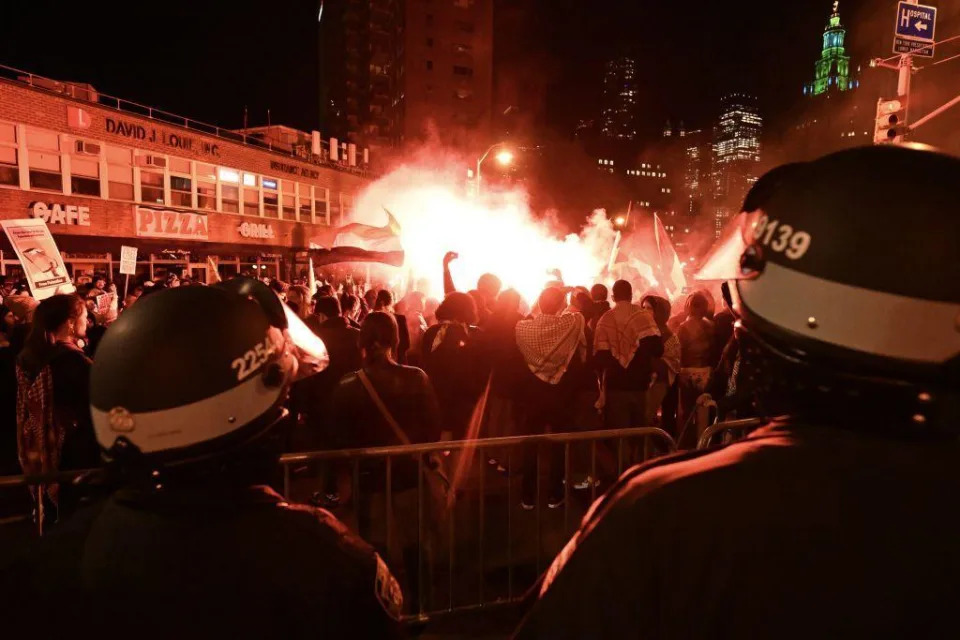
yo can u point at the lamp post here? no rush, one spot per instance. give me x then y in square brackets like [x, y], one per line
[505, 157]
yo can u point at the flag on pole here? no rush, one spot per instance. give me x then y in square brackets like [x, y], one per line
[213, 271]
[670, 268]
[311, 277]
[358, 242]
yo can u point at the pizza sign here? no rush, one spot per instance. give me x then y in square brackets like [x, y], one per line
[164, 223]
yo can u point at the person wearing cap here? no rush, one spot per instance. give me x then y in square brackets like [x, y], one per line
[837, 518]
[187, 540]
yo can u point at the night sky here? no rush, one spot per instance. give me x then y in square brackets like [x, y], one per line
[207, 60]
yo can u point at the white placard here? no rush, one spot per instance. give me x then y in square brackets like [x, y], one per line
[128, 260]
[42, 263]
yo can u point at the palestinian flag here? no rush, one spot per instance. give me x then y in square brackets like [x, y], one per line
[358, 242]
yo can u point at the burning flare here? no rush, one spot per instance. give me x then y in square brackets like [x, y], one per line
[496, 233]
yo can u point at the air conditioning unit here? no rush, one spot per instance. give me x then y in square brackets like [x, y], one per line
[153, 161]
[88, 148]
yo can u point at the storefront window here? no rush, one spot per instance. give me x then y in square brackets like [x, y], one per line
[206, 195]
[271, 199]
[181, 194]
[85, 175]
[321, 205]
[44, 154]
[119, 173]
[306, 202]
[230, 198]
[151, 186]
[9, 173]
[251, 202]
[288, 200]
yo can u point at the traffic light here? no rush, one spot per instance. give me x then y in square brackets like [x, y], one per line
[891, 121]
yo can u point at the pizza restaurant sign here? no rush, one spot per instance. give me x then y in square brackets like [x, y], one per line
[165, 223]
[56, 213]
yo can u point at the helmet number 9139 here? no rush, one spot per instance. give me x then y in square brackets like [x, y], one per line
[782, 238]
[253, 359]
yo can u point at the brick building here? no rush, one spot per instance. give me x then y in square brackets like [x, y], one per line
[106, 172]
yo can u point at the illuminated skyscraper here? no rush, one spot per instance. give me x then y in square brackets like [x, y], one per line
[833, 67]
[736, 153]
[618, 119]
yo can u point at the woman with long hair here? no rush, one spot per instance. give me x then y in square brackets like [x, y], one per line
[54, 431]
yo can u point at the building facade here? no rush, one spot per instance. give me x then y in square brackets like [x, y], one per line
[736, 154]
[447, 73]
[360, 46]
[185, 195]
[618, 115]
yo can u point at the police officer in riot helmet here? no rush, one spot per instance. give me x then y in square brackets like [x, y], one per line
[186, 390]
[838, 517]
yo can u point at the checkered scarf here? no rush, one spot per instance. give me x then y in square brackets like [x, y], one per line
[620, 330]
[548, 343]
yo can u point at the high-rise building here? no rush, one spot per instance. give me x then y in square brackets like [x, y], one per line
[697, 155]
[404, 71]
[360, 65]
[833, 72]
[618, 117]
[736, 153]
[447, 72]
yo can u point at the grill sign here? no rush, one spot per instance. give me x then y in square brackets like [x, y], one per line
[255, 230]
[162, 223]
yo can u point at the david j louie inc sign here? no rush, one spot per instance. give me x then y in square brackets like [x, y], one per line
[56, 213]
[136, 131]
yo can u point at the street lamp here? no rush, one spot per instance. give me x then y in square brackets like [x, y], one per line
[504, 157]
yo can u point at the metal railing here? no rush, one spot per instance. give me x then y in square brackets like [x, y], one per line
[487, 507]
[86, 93]
[471, 505]
[731, 430]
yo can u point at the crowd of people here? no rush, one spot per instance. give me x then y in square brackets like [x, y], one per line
[576, 359]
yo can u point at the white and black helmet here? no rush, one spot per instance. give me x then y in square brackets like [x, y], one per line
[845, 276]
[191, 371]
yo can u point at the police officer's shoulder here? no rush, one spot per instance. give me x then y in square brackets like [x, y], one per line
[675, 472]
[321, 523]
[370, 569]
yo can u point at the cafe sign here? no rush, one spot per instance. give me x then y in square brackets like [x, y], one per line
[256, 230]
[56, 213]
[165, 223]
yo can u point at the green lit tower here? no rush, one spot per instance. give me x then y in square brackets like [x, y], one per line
[833, 67]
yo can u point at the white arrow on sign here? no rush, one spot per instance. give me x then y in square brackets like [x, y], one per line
[920, 25]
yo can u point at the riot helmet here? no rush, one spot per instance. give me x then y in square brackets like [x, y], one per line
[845, 278]
[191, 372]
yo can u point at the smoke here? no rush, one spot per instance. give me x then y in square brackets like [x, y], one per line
[496, 233]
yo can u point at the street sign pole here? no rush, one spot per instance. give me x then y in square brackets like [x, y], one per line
[903, 81]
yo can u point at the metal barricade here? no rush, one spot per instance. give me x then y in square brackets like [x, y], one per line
[492, 549]
[731, 430]
[477, 574]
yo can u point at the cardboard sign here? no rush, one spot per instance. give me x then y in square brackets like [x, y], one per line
[105, 301]
[42, 263]
[128, 260]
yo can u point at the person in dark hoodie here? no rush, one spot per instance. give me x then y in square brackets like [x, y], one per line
[54, 431]
[451, 358]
